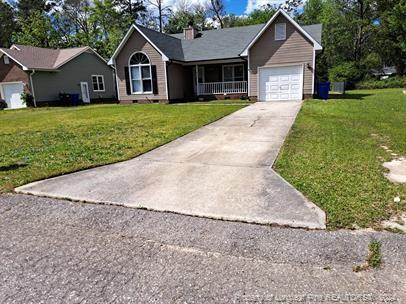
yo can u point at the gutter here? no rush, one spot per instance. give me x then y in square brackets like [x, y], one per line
[32, 87]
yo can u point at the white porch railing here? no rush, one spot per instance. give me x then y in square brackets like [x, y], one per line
[209, 88]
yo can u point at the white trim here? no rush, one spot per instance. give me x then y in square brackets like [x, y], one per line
[125, 39]
[233, 65]
[278, 66]
[15, 47]
[314, 71]
[166, 80]
[208, 62]
[22, 65]
[284, 28]
[249, 75]
[88, 93]
[32, 87]
[316, 45]
[116, 80]
[98, 84]
[142, 79]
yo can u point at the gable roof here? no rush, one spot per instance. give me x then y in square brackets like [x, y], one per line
[218, 44]
[35, 58]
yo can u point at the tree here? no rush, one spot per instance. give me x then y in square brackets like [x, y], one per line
[163, 11]
[107, 34]
[37, 30]
[8, 24]
[185, 15]
[311, 12]
[391, 33]
[26, 7]
[131, 8]
[218, 10]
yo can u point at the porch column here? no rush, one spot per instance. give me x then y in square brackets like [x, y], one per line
[197, 81]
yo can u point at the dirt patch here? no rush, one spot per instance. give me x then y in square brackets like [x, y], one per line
[397, 170]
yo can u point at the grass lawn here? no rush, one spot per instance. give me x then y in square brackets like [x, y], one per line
[44, 142]
[334, 155]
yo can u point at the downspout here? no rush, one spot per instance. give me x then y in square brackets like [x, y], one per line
[32, 88]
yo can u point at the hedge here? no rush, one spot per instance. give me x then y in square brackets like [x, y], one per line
[393, 82]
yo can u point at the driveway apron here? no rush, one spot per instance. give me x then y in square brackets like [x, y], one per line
[222, 171]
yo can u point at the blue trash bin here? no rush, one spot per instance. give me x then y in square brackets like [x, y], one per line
[75, 99]
[323, 89]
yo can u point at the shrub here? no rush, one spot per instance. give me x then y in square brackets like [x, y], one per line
[3, 104]
[346, 72]
[393, 82]
[28, 99]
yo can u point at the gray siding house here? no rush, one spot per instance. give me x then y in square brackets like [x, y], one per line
[267, 62]
[45, 73]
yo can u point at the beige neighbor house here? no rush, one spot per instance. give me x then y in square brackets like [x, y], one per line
[45, 73]
[272, 61]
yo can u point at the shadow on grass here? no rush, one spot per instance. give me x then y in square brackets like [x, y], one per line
[348, 96]
[12, 167]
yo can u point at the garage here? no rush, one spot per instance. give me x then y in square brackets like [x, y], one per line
[281, 83]
[11, 93]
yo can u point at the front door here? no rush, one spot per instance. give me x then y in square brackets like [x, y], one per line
[12, 95]
[84, 87]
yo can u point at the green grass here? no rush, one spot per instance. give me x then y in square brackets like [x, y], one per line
[374, 258]
[334, 156]
[45, 142]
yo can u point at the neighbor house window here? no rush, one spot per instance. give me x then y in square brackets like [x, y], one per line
[6, 59]
[98, 83]
[140, 74]
[233, 72]
[280, 31]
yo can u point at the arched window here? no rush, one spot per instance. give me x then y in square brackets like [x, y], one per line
[140, 74]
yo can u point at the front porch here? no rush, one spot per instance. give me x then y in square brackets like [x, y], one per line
[221, 79]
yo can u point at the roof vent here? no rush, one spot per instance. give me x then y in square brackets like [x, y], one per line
[189, 33]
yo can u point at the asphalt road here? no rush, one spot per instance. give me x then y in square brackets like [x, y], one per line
[55, 251]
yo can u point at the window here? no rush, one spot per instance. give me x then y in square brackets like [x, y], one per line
[6, 60]
[233, 72]
[280, 31]
[140, 74]
[98, 83]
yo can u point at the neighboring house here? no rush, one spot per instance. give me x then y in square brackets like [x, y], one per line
[275, 61]
[45, 73]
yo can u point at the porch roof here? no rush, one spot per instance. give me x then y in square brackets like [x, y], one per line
[213, 44]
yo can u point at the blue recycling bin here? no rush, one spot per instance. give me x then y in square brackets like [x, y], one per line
[75, 99]
[323, 89]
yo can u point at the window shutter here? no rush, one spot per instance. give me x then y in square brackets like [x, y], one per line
[154, 80]
[127, 80]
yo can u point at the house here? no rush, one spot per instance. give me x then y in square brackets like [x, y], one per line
[45, 73]
[272, 61]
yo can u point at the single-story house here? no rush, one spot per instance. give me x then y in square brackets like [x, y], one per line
[272, 61]
[45, 73]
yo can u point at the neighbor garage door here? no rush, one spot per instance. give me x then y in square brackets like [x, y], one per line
[281, 83]
[11, 93]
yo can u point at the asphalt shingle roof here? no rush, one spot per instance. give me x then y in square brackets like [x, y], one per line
[42, 58]
[213, 44]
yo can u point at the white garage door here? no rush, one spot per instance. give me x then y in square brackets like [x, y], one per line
[12, 95]
[281, 83]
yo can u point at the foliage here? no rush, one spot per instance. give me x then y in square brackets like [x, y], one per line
[8, 24]
[54, 141]
[26, 7]
[374, 257]
[346, 71]
[27, 99]
[333, 155]
[392, 82]
[186, 15]
[37, 30]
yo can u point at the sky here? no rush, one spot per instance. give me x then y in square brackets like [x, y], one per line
[237, 7]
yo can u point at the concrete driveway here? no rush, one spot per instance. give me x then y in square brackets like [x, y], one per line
[220, 171]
